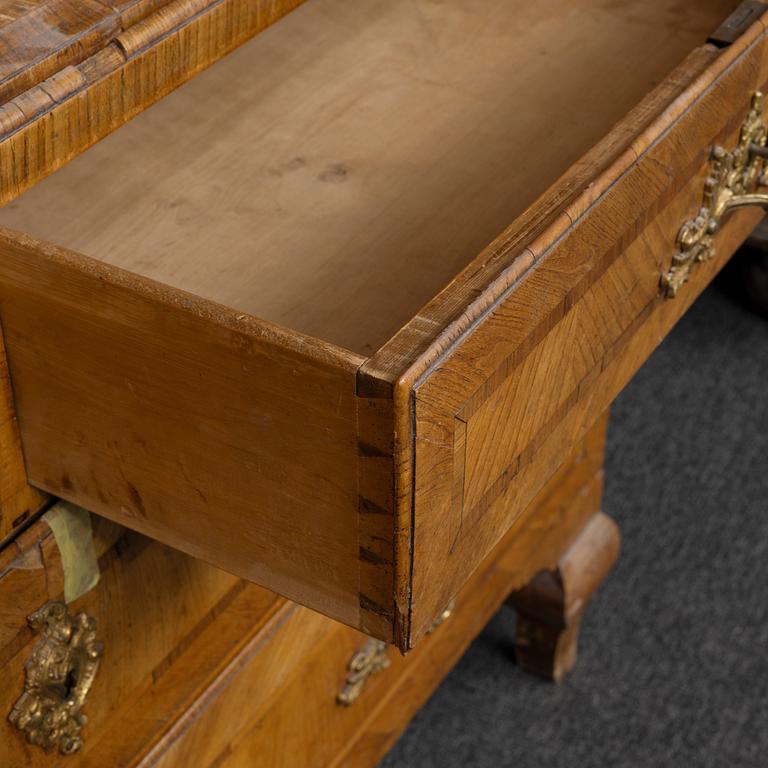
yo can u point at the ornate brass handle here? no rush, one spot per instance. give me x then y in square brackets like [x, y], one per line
[60, 673]
[731, 184]
[369, 660]
[373, 658]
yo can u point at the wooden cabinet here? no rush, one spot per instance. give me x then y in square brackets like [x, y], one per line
[335, 324]
[332, 314]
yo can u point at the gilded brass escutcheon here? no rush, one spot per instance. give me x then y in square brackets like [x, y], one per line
[59, 675]
[731, 184]
[371, 658]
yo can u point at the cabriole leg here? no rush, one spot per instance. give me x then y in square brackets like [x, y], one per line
[551, 605]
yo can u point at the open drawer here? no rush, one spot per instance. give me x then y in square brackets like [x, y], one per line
[331, 314]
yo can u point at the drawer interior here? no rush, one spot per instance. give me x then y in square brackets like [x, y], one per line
[334, 173]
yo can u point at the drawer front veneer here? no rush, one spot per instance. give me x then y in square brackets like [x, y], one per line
[526, 375]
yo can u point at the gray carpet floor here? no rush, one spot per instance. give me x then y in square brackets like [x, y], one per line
[673, 663]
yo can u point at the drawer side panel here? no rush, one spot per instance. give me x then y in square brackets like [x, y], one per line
[207, 430]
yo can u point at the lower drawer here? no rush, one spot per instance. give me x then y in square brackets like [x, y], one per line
[150, 605]
[200, 668]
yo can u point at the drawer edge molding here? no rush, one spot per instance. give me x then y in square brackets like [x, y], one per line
[442, 322]
[611, 243]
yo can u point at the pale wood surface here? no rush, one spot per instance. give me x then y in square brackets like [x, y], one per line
[498, 266]
[70, 104]
[336, 172]
[546, 357]
[186, 421]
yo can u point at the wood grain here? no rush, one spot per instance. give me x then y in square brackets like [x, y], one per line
[551, 606]
[40, 37]
[369, 491]
[499, 265]
[557, 347]
[152, 604]
[44, 127]
[200, 427]
[376, 532]
[369, 154]
[360, 735]
[202, 669]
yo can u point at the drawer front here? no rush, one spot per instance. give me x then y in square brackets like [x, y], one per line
[495, 413]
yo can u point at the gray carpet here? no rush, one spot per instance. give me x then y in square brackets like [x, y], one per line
[673, 665]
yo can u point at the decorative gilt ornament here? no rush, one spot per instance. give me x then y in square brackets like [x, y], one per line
[446, 614]
[369, 660]
[731, 184]
[59, 675]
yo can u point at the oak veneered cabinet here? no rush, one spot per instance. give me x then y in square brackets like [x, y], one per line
[330, 315]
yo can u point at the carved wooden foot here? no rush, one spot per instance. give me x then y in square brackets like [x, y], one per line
[550, 607]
